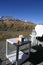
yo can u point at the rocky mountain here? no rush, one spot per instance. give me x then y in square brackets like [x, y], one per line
[10, 18]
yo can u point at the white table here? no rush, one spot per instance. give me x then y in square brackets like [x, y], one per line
[17, 57]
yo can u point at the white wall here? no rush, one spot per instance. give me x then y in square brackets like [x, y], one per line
[39, 30]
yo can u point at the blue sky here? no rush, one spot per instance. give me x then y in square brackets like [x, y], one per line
[31, 10]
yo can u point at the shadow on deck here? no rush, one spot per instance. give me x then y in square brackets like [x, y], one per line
[0, 61]
[36, 57]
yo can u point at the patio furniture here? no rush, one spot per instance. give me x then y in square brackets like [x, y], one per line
[37, 35]
[33, 38]
[17, 57]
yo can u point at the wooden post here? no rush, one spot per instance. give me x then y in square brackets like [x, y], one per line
[29, 48]
[17, 54]
[6, 48]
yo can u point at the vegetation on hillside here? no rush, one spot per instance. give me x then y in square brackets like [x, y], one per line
[11, 29]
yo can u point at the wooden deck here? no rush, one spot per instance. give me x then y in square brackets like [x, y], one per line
[36, 55]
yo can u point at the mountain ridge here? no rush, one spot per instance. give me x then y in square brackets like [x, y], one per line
[10, 18]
